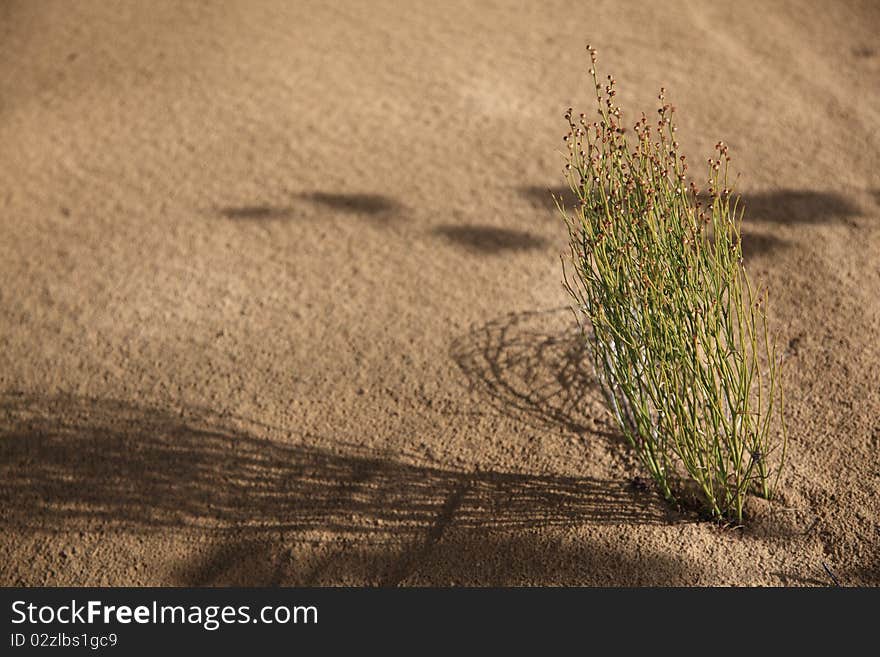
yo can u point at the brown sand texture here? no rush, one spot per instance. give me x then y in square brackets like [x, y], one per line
[282, 300]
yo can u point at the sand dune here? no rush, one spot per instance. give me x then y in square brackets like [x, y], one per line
[282, 300]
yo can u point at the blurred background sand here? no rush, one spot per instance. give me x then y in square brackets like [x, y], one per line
[282, 298]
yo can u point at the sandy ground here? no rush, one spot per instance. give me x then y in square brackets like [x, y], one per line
[282, 303]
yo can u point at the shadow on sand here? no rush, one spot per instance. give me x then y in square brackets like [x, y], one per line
[70, 464]
[257, 212]
[489, 239]
[373, 206]
[760, 244]
[366, 204]
[542, 197]
[534, 365]
[787, 206]
[782, 207]
[796, 206]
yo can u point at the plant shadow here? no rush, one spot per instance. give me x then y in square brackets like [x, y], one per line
[71, 465]
[489, 239]
[68, 460]
[543, 197]
[786, 206]
[363, 204]
[373, 206]
[257, 212]
[781, 207]
[798, 206]
[535, 365]
[760, 244]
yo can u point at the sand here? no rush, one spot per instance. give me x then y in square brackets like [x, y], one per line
[282, 302]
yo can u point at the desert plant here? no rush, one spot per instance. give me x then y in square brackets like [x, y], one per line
[676, 332]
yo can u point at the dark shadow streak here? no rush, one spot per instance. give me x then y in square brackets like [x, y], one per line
[759, 244]
[373, 206]
[782, 207]
[490, 240]
[257, 212]
[787, 206]
[793, 206]
[369, 204]
[542, 197]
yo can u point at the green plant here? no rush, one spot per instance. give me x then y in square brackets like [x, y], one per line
[677, 334]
